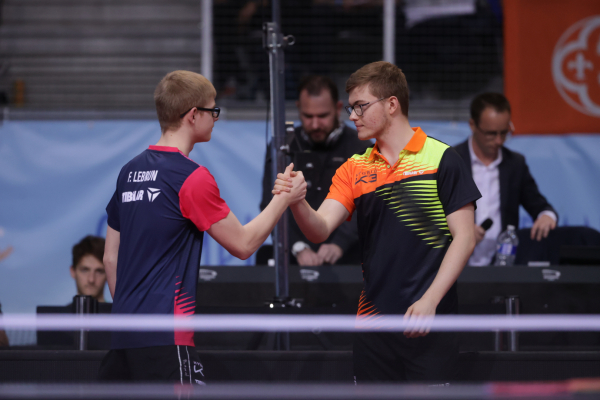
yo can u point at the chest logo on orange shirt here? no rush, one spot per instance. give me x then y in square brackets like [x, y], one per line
[368, 176]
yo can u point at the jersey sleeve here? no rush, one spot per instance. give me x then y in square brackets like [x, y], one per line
[112, 209]
[200, 200]
[456, 187]
[341, 188]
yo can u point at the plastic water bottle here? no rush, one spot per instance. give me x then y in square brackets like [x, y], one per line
[506, 247]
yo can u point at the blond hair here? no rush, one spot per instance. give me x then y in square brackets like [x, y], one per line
[384, 80]
[178, 92]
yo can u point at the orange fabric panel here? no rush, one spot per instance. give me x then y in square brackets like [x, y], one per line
[552, 65]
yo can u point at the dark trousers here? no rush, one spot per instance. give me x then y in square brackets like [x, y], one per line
[179, 364]
[390, 356]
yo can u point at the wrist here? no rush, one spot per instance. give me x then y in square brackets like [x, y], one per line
[431, 299]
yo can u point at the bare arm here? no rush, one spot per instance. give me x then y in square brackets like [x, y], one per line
[460, 224]
[111, 255]
[243, 240]
[318, 225]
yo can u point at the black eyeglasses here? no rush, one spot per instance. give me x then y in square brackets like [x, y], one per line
[214, 111]
[493, 134]
[358, 108]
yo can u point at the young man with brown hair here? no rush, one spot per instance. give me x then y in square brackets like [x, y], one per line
[163, 204]
[87, 268]
[414, 200]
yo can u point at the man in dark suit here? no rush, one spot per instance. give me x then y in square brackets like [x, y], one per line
[319, 147]
[502, 177]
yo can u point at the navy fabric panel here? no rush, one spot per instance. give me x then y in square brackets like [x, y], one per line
[160, 250]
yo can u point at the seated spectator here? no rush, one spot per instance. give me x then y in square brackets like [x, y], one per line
[88, 269]
[502, 176]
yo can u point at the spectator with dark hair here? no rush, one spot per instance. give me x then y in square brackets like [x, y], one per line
[88, 269]
[502, 176]
[320, 145]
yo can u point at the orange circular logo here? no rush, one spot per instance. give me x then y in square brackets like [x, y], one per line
[576, 66]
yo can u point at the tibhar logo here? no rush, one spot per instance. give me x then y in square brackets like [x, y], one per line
[576, 66]
[153, 194]
[408, 173]
[126, 197]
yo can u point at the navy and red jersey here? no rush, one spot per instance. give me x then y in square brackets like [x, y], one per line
[402, 210]
[162, 205]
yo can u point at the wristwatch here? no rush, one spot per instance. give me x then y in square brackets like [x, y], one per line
[298, 247]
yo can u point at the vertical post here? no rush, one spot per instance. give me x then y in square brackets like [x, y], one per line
[83, 305]
[206, 57]
[278, 156]
[274, 42]
[389, 31]
[512, 308]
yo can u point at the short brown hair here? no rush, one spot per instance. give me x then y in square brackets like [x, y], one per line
[384, 80]
[315, 84]
[92, 245]
[178, 92]
[495, 100]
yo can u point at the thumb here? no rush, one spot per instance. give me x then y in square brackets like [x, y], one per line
[289, 169]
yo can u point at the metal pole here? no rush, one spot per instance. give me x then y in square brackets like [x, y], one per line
[275, 42]
[512, 308]
[206, 57]
[389, 31]
[83, 305]
[276, 64]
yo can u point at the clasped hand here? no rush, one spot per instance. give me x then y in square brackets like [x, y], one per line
[290, 184]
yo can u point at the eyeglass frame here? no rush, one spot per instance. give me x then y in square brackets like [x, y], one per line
[349, 109]
[493, 135]
[216, 110]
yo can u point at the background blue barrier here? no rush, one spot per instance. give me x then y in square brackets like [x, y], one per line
[56, 178]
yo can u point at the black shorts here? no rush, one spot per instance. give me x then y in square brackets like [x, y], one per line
[153, 364]
[390, 356]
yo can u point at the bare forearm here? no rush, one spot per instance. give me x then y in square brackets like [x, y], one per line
[258, 230]
[111, 276]
[452, 265]
[310, 222]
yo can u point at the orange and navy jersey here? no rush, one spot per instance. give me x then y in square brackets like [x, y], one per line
[401, 212]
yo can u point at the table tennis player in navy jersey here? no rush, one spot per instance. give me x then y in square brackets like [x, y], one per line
[162, 205]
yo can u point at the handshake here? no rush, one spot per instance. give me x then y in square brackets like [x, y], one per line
[291, 185]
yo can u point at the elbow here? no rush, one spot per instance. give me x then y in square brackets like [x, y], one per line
[316, 238]
[242, 253]
[109, 262]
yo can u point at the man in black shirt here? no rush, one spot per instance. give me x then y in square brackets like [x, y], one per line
[319, 147]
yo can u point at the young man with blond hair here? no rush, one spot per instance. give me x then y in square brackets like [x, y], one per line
[163, 204]
[414, 200]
